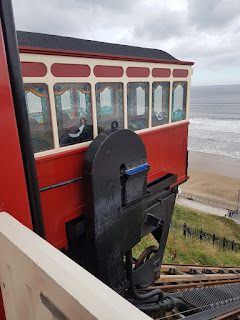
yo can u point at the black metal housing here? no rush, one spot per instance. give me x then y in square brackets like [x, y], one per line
[121, 208]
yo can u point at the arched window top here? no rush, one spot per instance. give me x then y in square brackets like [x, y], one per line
[66, 101]
[158, 99]
[106, 101]
[140, 101]
[34, 103]
[178, 98]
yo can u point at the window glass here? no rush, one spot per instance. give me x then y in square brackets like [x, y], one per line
[38, 108]
[109, 101]
[137, 105]
[160, 103]
[66, 101]
[179, 94]
[74, 113]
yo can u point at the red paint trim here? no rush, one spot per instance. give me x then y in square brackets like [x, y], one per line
[108, 71]
[70, 70]
[56, 52]
[161, 72]
[180, 73]
[33, 69]
[61, 154]
[137, 72]
[160, 128]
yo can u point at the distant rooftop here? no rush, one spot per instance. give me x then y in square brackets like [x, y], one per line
[47, 41]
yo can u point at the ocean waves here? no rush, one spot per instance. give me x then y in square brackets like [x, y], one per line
[215, 125]
[217, 136]
[215, 120]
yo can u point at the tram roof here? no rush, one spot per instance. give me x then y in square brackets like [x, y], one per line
[54, 42]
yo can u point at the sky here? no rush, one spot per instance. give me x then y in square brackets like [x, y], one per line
[206, 32]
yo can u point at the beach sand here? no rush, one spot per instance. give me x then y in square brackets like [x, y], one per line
[213, 177]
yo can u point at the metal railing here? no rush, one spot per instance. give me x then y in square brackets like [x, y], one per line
[210, 202]
[200, 235]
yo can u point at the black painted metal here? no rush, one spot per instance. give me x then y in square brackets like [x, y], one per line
[210, 302]
[121, 208]
[53, 186]
[110, 230]
[10, 41]
[220, 310]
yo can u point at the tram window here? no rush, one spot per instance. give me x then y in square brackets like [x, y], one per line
[38, 108]
[179, 95]
[137, 105]
[74, 112]
[109, 101]
[160, 103]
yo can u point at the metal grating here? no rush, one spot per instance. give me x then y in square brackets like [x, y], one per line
[210, 297]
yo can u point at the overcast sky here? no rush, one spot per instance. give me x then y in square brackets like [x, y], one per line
[204, 31]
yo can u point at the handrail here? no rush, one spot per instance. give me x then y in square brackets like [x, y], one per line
[40, 282]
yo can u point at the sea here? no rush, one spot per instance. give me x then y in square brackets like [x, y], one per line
[215, 120]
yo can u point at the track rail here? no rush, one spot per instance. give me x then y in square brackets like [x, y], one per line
[178, 277]
[175, 278]
[187, 267]
[230, 315]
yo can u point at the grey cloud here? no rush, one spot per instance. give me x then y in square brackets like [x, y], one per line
[110, 5]
[70, 18]
[212, 13]
[205, 31]
[207, 53]
[160, 25]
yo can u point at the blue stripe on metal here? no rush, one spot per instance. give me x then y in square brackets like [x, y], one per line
[137, 169]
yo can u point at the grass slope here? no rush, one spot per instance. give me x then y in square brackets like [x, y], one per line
[181, 250]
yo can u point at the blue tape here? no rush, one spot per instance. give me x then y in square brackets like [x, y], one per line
[137, 169]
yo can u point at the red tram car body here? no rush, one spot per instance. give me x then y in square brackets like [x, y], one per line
[51, 60]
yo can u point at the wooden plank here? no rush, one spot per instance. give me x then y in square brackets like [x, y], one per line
[182, 286]
[229, 316]
[198, 277]
[186, 268]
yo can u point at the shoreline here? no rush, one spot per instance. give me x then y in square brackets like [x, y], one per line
[213, 177]
[214, 163]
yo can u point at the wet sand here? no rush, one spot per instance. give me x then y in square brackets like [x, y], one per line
[214, 177]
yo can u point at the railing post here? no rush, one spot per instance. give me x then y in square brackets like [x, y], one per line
[213, 238]
[184, 229]
[224, 242]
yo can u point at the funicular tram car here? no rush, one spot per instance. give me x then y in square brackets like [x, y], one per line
[76, 91]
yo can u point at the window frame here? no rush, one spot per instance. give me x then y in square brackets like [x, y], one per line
[147, 104]
[75, 99]
[185, 100]
[167, 100]
[50, 120]
[120, 106]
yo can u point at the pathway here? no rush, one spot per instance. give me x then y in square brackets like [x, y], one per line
[205, 208]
